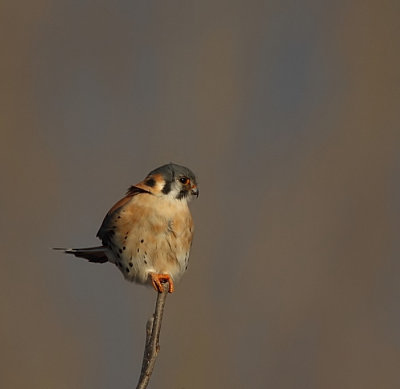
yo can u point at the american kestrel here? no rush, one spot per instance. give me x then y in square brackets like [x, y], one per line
[148, 233]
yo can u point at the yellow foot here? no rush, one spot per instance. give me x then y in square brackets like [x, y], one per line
[158, 279]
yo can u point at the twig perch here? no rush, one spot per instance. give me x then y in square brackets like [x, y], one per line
[152, 346]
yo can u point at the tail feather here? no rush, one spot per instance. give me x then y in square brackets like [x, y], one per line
[92, 254]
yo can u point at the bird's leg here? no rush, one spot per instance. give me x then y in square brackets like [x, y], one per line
[158, 279]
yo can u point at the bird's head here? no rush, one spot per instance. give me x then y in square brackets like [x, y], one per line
[175, 181]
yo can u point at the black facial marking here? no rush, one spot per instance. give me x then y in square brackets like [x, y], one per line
[150, 182]
[167, 188]
[183, 193]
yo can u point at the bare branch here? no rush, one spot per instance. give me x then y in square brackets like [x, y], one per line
[152, 346]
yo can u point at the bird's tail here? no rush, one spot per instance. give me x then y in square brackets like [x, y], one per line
[92, 254]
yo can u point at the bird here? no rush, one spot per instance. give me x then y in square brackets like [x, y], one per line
[148, 233]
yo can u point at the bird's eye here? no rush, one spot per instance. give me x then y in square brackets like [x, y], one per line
[184, 180]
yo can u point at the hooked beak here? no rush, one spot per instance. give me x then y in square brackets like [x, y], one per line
[195, 191]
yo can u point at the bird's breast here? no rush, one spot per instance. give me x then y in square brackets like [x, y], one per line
[153, 235]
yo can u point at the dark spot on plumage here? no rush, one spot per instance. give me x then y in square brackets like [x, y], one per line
[186, 267]
[167, 188]
[127, 269]
[118, 256]
[150, 182]
[130, 264]
[145, 253]
[141, 240]
[123, 248]
[145, 262]
[120, 251]
[137, 250]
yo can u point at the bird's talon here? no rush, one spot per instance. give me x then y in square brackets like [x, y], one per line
[158, 279]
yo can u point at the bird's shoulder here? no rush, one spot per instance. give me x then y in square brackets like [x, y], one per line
[140, 200]
[108, 225]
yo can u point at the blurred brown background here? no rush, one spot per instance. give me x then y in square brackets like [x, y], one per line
[289, 114]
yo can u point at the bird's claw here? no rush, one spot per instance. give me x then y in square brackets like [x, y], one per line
[158, 279]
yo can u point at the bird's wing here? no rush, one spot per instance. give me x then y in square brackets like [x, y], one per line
[107, 229]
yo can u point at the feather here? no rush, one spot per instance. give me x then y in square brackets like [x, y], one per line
[92, 254]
